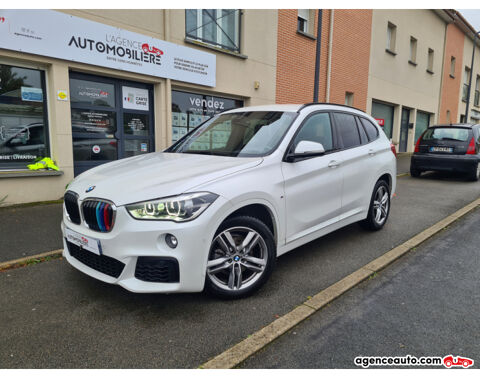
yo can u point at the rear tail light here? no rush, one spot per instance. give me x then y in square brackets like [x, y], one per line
[417, 145]
[113, 143]
[471, 147]
[394, 150]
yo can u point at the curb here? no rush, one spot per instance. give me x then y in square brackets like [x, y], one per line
[249, 346]
[13, 263]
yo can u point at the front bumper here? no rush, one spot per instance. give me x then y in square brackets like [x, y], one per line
[449, 163]
[133, 240]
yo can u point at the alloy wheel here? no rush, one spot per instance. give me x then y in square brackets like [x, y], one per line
[381, 204]
[238, 258]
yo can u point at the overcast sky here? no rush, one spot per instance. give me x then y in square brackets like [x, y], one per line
[472, 16]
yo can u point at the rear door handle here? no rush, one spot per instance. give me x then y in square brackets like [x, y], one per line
[333, 164]
[371, 152]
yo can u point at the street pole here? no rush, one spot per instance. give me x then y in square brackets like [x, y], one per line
[471, 74]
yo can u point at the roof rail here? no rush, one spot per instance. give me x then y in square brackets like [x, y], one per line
[327, 103]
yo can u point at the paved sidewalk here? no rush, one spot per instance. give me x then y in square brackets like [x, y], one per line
[425, 304]
[403, 163]
[29, 230]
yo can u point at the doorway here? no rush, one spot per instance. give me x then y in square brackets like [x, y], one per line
[111, 119]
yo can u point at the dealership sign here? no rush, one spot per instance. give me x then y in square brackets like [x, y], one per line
[62, 36]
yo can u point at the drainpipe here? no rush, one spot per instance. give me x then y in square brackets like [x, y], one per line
[439, 115]
[317, 57]
[168, 82]
[329, 64]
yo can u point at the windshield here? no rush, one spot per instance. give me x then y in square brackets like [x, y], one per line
[237, 134]
[447, 133]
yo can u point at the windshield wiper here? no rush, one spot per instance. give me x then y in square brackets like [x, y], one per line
[456, 140]
[198, 152]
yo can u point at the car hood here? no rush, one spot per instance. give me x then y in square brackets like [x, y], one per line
[155, 175]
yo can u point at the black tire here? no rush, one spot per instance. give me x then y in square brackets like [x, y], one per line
[414, 172]
[370, 223]
[475, 174]
[269, 251]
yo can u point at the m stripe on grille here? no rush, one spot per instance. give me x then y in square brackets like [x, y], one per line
[98, 215]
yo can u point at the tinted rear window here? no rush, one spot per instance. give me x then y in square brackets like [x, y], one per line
[370, 128]
[447, 133]
[348, 129]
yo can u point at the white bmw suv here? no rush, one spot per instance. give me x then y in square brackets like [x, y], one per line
[215, 209]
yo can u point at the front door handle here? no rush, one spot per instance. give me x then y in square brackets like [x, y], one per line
[371, 152]
[333, 164]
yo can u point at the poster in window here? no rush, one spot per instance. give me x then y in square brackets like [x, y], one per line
[136, 124]
[93, 121]
[32, 94]
[87, 92]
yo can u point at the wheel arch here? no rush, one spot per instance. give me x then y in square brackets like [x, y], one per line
[388, 178]
[259, 210]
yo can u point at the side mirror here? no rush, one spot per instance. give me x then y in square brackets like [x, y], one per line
[306, 149]
[15, 142]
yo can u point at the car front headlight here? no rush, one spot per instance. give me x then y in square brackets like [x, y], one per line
[180, 208]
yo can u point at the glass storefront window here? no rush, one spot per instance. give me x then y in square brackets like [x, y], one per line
[385, 112]
[93, 149]
[190, 110]
[134, 147]
[23, 116]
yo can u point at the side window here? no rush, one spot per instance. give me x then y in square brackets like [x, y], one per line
[348, 130]
[370, 128]
[361, 130]
[317, 129]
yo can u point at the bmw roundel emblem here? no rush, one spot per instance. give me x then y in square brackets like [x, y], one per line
[90, 189]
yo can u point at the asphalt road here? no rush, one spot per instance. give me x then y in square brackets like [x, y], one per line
[425, 304]
[52, 316]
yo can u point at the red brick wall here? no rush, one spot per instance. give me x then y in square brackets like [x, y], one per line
[350, 57]
[295, 60]
[352, 30]
[451, 87]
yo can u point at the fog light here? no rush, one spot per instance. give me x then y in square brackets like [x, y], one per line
[171, 241]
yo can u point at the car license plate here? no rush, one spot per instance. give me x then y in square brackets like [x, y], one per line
[85, 242]
[441, 149]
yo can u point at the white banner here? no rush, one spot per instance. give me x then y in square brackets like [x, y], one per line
[59, 35]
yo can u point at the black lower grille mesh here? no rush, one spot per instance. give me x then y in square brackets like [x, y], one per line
[157, 269]
[104, 264]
